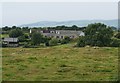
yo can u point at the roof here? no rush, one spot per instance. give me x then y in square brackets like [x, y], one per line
[64, 33]
[10, 39]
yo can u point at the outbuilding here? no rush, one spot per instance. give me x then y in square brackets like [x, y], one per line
[11, 42]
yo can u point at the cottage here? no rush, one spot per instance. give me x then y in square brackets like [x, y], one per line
[11, 42]
[60, 34]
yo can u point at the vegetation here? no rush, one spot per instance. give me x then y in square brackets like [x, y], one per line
[98, 35]
[60, 63]
[53, 42]
[74, 27]
[117, 35]
[65, 40]
[59, 59]
[81, 42]
[36, 38]
[15, 33]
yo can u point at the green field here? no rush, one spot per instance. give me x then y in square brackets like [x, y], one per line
[63, 62]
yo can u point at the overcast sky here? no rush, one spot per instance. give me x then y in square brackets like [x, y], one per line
[29, 12]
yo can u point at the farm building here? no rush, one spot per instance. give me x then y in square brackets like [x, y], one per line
[11, 42]
[61, 33]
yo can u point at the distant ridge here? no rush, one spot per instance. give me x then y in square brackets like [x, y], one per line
[79, 23]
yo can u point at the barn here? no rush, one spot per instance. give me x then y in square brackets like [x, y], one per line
[11, 42]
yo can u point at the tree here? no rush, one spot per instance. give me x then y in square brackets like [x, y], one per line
[74, 27]
[25, 29]
[53, 42]
[36, 38]
[98, 35]
[6, 28]
[15, 33]
[23, 38]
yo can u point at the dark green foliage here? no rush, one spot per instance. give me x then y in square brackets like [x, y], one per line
[46, 40]
[25, 29]
[23, 38]
[14, 27]
[6, 28]
[26, 45]
[36, 38]
[53, 42]
[47, 44]
[65, 40]
[98, 35]
[74, 27]
[118, 35]
[15, 33]
[81, 42]
[115, 43]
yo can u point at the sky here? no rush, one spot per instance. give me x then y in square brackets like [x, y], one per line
[17, 13]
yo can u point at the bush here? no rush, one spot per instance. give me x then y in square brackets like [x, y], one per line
[26, 46]
[23, 38]
[115, 43]
[47, 44]
[65, 40]
[53, 42]
[81, 42]
[118, 35]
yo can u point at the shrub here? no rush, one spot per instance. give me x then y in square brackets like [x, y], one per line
[26, 45]
[47, 44]
[53, 42]
[118, 35]
[81, 42]
[115, 43]
[65, 40]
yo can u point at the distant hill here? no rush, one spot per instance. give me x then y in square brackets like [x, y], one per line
[80, 23]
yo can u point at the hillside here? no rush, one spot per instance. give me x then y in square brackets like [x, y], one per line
[70, 23]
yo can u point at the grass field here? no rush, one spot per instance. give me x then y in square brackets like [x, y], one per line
[62, 62]
[4, 35]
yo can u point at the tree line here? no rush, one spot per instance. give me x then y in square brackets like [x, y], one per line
[96, 34]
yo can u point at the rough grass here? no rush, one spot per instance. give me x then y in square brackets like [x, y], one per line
[4, 35]
[62, 62]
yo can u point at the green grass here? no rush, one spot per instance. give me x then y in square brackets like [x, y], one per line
[63, 62]
[4, 35]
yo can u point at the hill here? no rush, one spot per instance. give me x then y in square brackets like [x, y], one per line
[80, 23]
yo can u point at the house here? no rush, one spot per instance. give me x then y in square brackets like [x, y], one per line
[10, 42]
[60, 34]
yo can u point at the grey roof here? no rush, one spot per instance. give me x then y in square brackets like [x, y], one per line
[10, 39]
[64, 33]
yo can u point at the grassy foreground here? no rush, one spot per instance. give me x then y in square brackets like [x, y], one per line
[62, 62]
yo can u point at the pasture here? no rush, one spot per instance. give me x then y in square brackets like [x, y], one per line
[60, 63]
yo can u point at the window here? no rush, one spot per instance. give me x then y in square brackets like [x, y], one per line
[57, 36]
[62, 37]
